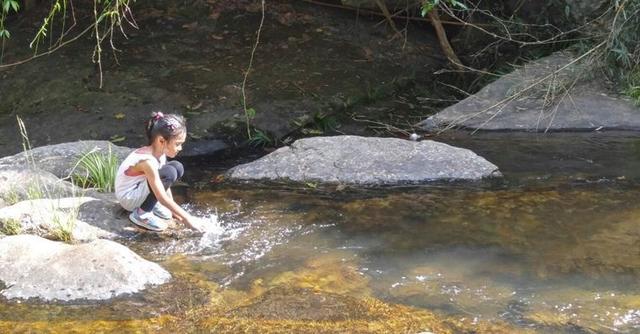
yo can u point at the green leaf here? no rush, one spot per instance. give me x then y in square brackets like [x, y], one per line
[14, 5]
[5, 6]
[459, 4]
[251, 113]
[7, 34]
[117, 138]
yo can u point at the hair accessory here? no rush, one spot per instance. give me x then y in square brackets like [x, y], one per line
[158, 116]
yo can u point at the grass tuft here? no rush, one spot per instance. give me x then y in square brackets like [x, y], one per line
[63, 226]
[100, 170]
[261, 139]
[10, 226]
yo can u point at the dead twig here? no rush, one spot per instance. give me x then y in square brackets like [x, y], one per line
[394, 16]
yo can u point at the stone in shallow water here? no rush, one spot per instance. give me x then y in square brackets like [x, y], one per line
[33, 267]
[286, 303]
[363, 160]
[533, 98]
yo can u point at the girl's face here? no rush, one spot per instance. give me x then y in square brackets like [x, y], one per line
[174, 145]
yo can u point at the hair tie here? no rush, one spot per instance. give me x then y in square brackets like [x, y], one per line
[158, 116]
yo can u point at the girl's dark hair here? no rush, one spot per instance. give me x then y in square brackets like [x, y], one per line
[168, 126]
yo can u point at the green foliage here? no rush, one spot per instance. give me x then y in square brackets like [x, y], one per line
[35, 191]
[260, 138]
[429, 5]
[63, 226]
[10, 226]
[10, 4]
[6, 6]
[100, 170]
[324, 122]
[42, 31]
[12, 197]
[633, 85]
[622, 48]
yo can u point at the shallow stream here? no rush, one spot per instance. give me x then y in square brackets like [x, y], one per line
[553, 247]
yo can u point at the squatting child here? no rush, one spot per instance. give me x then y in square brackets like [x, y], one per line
[144, 178]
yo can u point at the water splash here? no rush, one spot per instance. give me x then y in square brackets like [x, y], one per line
[213, 230]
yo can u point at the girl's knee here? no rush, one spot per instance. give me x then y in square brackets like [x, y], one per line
[168, 173]
[178, 167]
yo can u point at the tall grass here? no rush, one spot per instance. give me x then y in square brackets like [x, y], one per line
[99, 170]
[62, 224]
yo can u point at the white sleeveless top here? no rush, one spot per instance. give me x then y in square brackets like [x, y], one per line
[132, 188]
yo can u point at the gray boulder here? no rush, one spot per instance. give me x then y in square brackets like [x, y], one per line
[361, 160]
[33, 267]
[61, 159]
[572, 99]
[583, 10]
[203, 148]
[19, 184]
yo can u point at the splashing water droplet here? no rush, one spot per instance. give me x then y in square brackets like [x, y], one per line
[212, 231]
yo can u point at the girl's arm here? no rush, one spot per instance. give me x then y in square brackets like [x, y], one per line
[161, 194]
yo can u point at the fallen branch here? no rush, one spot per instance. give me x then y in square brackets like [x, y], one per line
[387, 16]
[394, 16]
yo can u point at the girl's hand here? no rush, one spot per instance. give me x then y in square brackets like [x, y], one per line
[194, 223]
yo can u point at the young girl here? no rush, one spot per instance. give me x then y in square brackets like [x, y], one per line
[144, 178]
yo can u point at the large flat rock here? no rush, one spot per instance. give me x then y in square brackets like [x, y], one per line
[33, 267]
[362, 160]
[572, 99]
[21, 183]
[86, 218]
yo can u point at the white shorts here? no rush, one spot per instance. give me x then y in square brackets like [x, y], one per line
[133, 198]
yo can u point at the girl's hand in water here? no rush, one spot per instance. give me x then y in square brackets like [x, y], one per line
[195, 223]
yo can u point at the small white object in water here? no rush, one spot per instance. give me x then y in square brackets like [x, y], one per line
[414, 137]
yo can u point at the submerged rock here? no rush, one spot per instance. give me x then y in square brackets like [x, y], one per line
[361, 160]
[33, 267]
[287, 303]
[567, 100]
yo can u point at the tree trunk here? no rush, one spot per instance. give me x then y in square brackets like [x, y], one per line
[29, 5]
[387, 15]
[442, 38]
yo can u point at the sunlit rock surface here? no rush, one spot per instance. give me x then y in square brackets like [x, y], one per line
[21, 183]
[33, 267]
[86, 218]
[362, 160]
[61, 159]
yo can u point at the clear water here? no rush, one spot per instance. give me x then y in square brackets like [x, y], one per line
[553, 247]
